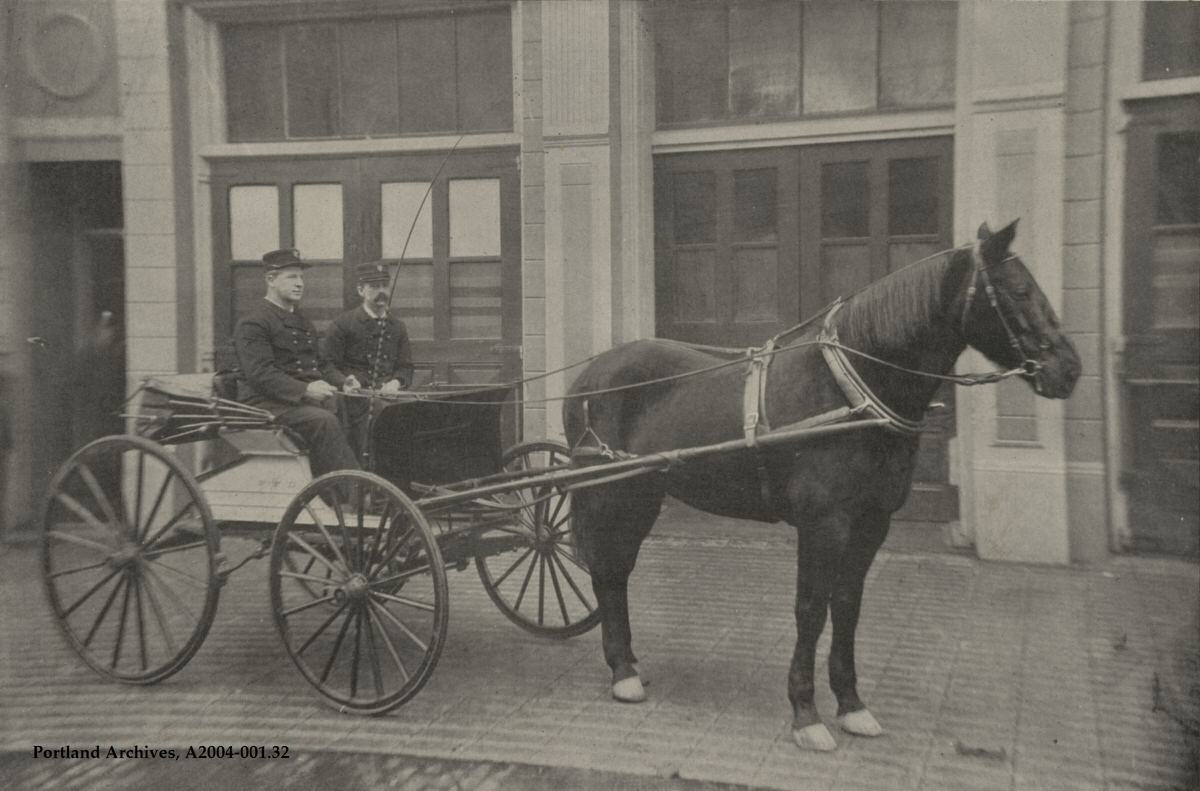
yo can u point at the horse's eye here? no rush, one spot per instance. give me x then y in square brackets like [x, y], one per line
[1021, 292]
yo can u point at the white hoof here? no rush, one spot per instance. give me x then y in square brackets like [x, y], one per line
[814, 737]
[860, 723]
[629, 690]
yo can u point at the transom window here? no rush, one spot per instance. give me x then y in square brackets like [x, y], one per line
[378, 78]
[1171, 45]
[756, 59]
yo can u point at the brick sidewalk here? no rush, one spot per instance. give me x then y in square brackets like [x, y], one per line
[984, 675]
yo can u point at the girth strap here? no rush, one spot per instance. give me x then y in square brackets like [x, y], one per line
[858, 394]
[754, 412]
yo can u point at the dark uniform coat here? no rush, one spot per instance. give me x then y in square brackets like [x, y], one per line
[375, 351]
[278, 353]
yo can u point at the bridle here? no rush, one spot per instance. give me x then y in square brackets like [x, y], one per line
[1029, 366]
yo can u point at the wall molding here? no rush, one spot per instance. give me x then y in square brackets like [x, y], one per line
[808, 131]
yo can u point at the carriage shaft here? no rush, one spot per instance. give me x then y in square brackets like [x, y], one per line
[598, 474]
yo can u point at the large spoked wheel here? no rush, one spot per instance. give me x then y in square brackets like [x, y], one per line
[534, 572]
[130, 559]
[358, 590]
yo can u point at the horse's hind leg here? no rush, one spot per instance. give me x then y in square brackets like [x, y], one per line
[612, 523]
[820, 547]
[844, 608]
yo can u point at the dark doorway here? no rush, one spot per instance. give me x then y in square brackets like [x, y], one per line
[77, 308]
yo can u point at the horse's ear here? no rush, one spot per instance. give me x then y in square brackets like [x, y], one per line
[996, 245]
[984, 232]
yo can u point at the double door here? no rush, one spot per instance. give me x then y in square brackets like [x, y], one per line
[750, 242]
[451, 236]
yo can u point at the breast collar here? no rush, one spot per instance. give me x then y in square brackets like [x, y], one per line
[861, 400]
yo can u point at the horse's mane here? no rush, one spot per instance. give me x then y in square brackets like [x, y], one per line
[896, 310]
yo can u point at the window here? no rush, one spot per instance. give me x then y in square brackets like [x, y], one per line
[1171, 44]
[445, 73]
[762, 59]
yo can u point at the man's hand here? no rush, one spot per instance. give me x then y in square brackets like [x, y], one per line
[351, 384]
[391, 387]
[319, 390]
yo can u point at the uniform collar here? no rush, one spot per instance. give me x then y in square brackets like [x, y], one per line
[280, 308]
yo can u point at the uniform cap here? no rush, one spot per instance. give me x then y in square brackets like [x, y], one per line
[373, 272]
[280, 259]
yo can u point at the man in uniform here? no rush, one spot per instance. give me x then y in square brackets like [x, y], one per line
[369, 347]
[282, 370]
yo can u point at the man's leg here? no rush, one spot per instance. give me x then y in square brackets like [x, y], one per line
[321, 429]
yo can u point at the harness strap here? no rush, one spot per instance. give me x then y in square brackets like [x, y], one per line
[754, 412]
[860, 396]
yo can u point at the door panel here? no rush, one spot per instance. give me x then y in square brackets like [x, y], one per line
[726, 246]
[868, 209]
[1162, 321]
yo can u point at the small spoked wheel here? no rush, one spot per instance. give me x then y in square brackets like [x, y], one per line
[358, 591]
[130, 559]
[531, 567]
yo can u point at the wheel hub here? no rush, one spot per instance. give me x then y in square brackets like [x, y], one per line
[354, 589]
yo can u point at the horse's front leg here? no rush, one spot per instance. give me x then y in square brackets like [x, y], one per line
[844, 607]
[820, 547]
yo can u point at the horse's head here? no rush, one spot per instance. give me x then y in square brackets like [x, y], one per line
[1008, 318]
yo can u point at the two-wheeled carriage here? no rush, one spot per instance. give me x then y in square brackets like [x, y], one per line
[133, 527]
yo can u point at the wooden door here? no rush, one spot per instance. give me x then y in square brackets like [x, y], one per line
[867, 209]
[726, 246]
[1162, 324]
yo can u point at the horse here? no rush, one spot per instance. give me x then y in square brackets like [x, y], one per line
[901, 337]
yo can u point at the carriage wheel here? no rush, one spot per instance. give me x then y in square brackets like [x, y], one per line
[130, 559]
[358, 590]
[539, 580]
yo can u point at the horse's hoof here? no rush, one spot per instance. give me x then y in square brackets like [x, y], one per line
[860, 723]
[629, 690]
[814, 737]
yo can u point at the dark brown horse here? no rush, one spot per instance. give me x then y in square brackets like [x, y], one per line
[838, 492]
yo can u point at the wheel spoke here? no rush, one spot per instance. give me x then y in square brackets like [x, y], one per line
[511, 568]
[562, 568]
[137, 503]
[372, 651]
[92, 520]
[103, 611]
[141, 622]
[562, 605]
[387, 509]
[387, 641]
[101, 498]
[168, 550]
[357, 651]
[347, 545]
[171, 594]
[306, 606]
[77, 569]
[337, 646]
[524, 585]
[199, 583]
[403, 575]
[582, 567]
[116, 655]
[394, 549]
[345, 571]
[307, 577]
[158, 499]
[324, 625]
[89, 593]
[541, 589]
[162, 531]
[358, 518]
[401, 626]
[415, 603]
[156, 608]
[317, 555]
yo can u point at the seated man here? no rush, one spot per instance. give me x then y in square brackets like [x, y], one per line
[282, 368]
[369, 347]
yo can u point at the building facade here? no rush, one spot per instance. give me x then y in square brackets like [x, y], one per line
[590, 172]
